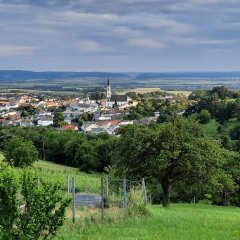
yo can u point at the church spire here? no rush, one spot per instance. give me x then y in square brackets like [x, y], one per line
[109, 90]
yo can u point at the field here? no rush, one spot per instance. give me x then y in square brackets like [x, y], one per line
[88, 183]
[211, 129]
[148, 90]
[179, 222]
[137, 90]
[186, 93]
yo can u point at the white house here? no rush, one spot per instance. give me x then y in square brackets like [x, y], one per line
[45, 121]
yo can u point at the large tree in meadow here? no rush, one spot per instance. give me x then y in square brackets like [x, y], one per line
[168, 153]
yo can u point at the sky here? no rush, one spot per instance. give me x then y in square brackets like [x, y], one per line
[120, 35]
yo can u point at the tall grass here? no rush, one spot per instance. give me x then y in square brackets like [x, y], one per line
[88, 183]
[1, 156]
[136, 203]
[179, 222]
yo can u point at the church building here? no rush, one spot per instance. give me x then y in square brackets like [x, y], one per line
[115, 100]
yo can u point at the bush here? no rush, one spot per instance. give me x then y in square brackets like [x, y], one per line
[136, 203]
[207, 200]
[43, 206]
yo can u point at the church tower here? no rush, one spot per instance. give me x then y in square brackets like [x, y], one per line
[109, 90]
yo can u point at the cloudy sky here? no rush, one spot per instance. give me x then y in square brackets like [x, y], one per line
[120, 35]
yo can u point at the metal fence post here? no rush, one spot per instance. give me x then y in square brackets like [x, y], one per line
[125, 194]
[107, 186]
[144, 191]
[73, 203]
[102, 200]
[68, 184]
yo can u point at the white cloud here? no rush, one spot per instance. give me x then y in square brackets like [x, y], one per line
[202, 41]
[14, 50]
[82, 17]
[147, 43]
[90, 46]
[67, 30]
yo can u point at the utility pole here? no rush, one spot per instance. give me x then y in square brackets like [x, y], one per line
[73, 201]
[44, 157]
[125, 194]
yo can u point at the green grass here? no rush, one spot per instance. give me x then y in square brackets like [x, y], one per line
[180, 222]
[1, 156]
[85, 183]
[88, 183]
[211, 129]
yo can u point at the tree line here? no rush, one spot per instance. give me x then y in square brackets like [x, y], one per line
[174, 157]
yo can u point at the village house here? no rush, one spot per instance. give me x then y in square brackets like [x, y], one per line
[25, 123]
[103, 126]
[45, 121]
[69, 128]
[13, 116]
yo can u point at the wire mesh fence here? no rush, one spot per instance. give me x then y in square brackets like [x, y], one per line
[113, 194]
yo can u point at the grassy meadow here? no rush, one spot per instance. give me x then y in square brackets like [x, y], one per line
[88, 183]
[149, 90]
[179, 222]
[211, 129]
[137, 90]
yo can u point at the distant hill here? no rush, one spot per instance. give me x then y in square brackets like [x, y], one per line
[185, 75]
[17, 75]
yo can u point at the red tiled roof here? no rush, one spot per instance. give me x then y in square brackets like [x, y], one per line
[112, 122]
[70, 127]
[51, 104]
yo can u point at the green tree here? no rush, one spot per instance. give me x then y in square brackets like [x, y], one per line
[221, 91]
[133, 95]
[55, 145]
[97, 96]
[20, 152]
[198, 94]
[204, 116]
[57, 119]
[86, 116]
[167, 114]
[235, 132]
[86, 156]
[168, 153]
[44, 206]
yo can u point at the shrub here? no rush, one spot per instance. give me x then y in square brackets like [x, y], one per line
[207, 200]
[42, 211]
[136, 203]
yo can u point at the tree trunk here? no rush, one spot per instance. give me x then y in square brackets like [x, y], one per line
[225, 199]
[166, 186]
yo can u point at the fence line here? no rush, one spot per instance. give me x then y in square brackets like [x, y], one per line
[113, 193]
